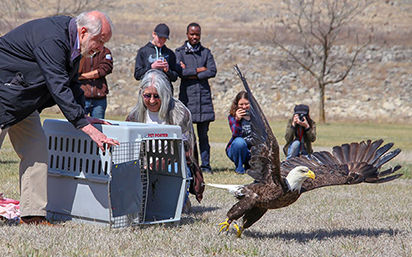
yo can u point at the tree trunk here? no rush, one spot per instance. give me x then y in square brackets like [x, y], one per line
[322, 119]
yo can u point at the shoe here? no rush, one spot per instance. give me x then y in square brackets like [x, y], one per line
[206, 170]
[240, 172]
[35, 220]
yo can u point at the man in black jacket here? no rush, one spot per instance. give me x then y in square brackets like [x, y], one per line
[197, 66]
[156, 55]
[39, 64]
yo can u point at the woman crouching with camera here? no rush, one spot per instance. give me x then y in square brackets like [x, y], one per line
[300, 133]
[238, 148]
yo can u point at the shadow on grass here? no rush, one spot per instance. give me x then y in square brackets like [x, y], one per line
[322, 234]
[215, 170]
[8, 162]
[202, 209]
[192, 215]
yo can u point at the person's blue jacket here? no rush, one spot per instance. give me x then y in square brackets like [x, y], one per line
[39, 64]
[195, 90]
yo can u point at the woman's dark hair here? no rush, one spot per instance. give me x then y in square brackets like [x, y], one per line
[240, 95]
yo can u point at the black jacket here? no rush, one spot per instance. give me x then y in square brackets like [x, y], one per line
[195, 93]
[148, 55]
[39, 68]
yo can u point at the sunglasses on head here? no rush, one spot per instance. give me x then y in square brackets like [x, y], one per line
[149, 96]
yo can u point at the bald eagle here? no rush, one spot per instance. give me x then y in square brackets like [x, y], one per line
[279, 184]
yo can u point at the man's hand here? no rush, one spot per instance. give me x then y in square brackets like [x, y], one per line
[201, 69]
[182, 65]
[159, 64]
[98, 136]
[93, 120]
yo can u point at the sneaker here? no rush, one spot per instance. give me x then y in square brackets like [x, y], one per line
[240, 172]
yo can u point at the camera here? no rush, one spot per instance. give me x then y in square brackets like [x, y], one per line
[247, 112]
[162, 58]
[301, 117]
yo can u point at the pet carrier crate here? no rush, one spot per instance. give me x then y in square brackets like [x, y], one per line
[142, 181]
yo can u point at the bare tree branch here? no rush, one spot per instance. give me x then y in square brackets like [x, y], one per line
[318, 26]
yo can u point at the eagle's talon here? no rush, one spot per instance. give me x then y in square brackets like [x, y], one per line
[238, 229]
[225, 225]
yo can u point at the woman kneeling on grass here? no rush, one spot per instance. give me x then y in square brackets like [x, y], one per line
[156, 104]
[238, 148]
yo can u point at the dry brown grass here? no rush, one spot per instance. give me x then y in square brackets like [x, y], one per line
[361, 220]
[364, 220]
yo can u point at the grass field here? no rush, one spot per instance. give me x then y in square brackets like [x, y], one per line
[360, 220]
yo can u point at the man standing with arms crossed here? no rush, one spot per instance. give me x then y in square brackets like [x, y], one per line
[197, 66]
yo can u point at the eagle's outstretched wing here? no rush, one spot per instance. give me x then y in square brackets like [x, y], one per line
[348, 164]
[265, 162]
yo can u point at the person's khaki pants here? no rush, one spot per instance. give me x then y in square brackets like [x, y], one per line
[30, 143]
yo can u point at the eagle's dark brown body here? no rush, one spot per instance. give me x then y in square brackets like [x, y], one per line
[348, 164]
[269, 196]
[257, 199]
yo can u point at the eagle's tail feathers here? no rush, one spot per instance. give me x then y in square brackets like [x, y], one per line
[233, 189]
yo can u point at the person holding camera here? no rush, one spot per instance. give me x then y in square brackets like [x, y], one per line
[156, 55]
[300, 133]
[238, 148]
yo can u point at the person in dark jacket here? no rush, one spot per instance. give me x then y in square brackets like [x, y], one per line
[196, 67]
[39, 63]
[300, 133]
[92, 74]
[156, 55]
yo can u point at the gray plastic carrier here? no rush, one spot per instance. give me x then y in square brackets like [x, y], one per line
[142, 181]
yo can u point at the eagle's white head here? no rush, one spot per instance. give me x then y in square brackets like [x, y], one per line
[297, 176]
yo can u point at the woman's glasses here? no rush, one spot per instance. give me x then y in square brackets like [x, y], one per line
[149, 96]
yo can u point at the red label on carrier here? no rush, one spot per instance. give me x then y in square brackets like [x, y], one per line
[157, 135]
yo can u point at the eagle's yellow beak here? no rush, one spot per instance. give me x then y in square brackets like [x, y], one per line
[310, 174]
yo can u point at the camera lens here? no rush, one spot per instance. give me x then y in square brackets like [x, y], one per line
[301, 117]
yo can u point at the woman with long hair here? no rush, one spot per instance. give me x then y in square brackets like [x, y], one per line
[238, 148]
[156, 104]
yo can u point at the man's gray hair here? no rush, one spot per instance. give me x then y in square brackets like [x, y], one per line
[93, 22]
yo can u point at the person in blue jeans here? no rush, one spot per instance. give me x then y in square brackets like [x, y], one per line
[238, 148]
[300, 133]
[92, 75]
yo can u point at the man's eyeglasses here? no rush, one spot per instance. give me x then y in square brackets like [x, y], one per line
[149, 96]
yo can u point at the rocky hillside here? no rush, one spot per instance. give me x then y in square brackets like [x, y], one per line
[379, 88]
